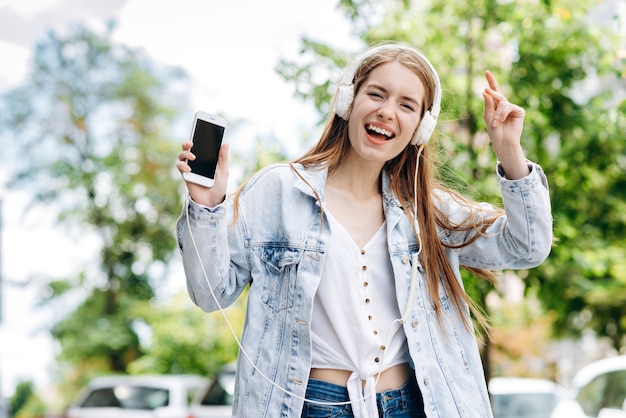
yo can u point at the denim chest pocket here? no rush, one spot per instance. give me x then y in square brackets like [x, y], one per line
[281, 274]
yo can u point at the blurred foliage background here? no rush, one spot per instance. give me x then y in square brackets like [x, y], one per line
[106, 115]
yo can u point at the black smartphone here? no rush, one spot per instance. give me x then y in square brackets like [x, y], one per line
[207, 134]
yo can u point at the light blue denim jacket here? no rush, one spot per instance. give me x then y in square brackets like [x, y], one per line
[277, 247]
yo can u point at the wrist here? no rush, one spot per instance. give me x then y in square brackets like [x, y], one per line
[513, 162]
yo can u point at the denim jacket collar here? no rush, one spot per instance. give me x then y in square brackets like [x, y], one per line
[316, 178]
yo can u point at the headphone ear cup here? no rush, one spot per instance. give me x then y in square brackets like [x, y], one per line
[345, 95]
[425, 130]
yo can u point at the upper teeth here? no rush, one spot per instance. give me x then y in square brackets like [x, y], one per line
[379, 130]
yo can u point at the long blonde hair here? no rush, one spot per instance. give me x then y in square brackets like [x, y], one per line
[333, 147]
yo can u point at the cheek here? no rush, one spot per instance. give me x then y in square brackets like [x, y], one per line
[353, 128]
[411, 125]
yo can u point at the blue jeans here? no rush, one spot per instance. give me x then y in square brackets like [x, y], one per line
[405, 402]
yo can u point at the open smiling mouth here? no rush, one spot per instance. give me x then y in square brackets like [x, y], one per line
[378, 132]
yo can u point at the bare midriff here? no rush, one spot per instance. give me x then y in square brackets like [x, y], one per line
[392, 378]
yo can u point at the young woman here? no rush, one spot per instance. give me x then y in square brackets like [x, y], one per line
[352, 254]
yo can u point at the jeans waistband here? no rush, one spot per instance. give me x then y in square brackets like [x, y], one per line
[408, 389]
[337, 393]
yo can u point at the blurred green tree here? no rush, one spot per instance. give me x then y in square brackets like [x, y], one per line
[24, 391]
[97, 118]
[93, 124]
[178, 337]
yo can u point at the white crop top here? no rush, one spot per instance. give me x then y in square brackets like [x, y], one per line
[355, 312]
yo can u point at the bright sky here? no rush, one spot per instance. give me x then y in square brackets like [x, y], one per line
[230, 48]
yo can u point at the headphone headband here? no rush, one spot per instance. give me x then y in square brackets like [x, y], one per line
[345, 93]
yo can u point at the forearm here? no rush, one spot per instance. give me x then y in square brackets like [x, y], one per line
[528, 232]
[522, 238]
[513, 162]
[203, 242]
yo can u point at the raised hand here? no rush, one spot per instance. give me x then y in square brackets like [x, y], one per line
[505, 122]
[206, 196]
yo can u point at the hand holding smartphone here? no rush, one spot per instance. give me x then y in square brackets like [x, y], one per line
[206, 134]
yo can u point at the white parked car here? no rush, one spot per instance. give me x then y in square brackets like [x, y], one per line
[217, 400]
[598, 390]
[521, 397]
[141, 396]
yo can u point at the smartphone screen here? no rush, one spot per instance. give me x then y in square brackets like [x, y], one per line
[207, 139]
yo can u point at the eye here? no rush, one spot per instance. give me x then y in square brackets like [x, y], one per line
[408, 106]
[375, 95]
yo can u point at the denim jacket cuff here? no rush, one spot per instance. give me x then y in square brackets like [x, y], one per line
[199, 212]
[536, 176]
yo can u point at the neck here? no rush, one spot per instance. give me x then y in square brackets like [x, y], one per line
[361, 180]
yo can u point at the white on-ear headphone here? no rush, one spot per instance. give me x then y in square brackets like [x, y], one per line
[345, 93]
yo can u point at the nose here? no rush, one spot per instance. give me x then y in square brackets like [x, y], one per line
[385, 111]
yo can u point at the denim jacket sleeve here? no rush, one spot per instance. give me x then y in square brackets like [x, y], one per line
[213, 255]
[521, 238]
